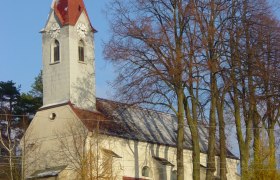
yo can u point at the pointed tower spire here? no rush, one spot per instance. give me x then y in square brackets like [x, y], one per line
[69, 11]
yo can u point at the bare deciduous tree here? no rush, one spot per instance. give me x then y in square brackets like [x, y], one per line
[9, 141]
[156, 64]
[186, 54]
[82, 150]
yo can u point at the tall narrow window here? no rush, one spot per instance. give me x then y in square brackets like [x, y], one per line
[56, 53]
[146, 171]
[81, 51]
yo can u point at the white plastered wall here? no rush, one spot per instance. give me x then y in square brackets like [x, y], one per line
[69, 80]
[56, 77]
[82, 74]
[42, 143]
[135, 155]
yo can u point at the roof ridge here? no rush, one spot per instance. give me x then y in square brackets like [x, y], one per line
[147, 109]
[136, 106]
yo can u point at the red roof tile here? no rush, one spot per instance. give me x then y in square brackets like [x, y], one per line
[69, 11]
[93, 120]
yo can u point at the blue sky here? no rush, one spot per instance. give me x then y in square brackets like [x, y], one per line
[20, 44]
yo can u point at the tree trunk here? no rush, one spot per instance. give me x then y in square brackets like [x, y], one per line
[211, 164]
[272, 151]
[193, 125]
[243, 139]
[235, 62]
[244, 154]
[212, 65]
[180, 135]
[223, 165]
[196, 153]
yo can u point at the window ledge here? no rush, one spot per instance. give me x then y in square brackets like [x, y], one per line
[53, 63]
[82, 62]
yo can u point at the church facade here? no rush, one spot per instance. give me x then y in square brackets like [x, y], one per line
[76, 135]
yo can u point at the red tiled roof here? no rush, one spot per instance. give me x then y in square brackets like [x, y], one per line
[89, 118]
[94, 120]
[69, 11]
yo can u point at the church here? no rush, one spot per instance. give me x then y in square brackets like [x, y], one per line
[76, 135]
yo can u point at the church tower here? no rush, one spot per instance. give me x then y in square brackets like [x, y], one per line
[68, 56]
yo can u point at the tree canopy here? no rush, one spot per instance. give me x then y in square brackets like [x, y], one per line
[12, 101]
[215, 61]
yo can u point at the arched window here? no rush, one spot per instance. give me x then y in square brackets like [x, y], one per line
[174, 175]
[56, 53]
[81, 50]
[146, 171]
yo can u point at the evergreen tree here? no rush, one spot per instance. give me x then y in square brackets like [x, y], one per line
[9, 96]
[30, 102]
[37, 86]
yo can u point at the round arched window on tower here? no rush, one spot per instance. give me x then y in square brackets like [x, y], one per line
[56, 51]
[146, 171]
